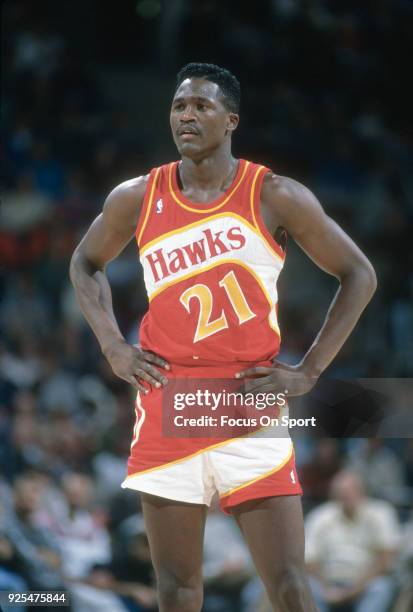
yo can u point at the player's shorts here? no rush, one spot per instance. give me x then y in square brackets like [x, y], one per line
[192, 470]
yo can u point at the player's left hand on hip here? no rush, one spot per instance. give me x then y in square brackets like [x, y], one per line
[279, 378]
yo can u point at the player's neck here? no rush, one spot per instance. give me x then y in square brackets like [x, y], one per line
[212, 172]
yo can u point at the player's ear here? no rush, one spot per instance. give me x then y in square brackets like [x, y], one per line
[232, 122]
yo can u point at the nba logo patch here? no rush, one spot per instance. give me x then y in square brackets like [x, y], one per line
[159, 206]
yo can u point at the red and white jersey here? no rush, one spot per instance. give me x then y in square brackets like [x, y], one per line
[210, 272]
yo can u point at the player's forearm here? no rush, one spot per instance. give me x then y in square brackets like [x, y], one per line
[95, 300]
[355, 291]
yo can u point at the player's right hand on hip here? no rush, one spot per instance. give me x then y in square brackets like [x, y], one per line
[136, 366]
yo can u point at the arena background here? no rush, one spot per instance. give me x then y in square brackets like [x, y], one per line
[86, 94]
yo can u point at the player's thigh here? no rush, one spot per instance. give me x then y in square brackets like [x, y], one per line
[273, 528]
[175, 532]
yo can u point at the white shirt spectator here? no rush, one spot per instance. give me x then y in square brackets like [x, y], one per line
[344, 548]
[83, 543]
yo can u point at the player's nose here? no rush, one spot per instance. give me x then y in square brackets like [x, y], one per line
[187, 114]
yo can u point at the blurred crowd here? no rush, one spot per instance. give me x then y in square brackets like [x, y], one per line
[325, 100]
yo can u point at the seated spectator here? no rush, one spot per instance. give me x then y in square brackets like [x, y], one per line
[127, 584]
[350, 548]
[85, 544]
[37, 556]
[82, 539]
[381, 470]
[9, 566]
[25, 207]
[316, 473]
[405, 569]
[131, 558]
[132, 569]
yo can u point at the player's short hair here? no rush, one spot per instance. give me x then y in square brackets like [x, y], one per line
[226, 81]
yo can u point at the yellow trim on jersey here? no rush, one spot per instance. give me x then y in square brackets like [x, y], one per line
[254, 480]
[199, 452]
[139, 420]
[214, 265]
[257, 227]
[252, 199]
[201, 222]
[204, 210]
[149, 206]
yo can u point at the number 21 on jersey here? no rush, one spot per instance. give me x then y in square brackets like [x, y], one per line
[206, 327]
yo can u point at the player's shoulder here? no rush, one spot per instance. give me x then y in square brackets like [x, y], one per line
[124, 202]
[277, 188]
[133, 188]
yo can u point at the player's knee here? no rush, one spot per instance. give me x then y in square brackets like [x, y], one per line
[289, 587]
[292, 578]
[176, 594]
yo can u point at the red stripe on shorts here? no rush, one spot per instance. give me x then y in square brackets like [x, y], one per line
[282, 482]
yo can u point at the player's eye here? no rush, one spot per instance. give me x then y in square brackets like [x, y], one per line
[178, 106]
[201, 107]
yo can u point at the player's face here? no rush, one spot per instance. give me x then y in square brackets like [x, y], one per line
[200, 122]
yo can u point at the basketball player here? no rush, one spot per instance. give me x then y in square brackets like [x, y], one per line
[211, 234]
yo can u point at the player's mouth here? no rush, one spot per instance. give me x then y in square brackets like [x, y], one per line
[187, 133]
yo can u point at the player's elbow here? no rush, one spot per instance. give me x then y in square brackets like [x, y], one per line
[370, 278]
[75, 266]
[363, 276]
[79, 265]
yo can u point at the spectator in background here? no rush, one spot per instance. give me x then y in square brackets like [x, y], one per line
[24, 310]
[85, 544]
[127, 583]
[38, 558]
[10, 580]
[131, 567]
[25, 206]
[83, 539]
[405, 569]
[58, 390]
[317, 472]
[351, 543]
[47, 171]
[381, 471]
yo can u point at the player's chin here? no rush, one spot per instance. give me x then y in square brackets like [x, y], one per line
[189, 149]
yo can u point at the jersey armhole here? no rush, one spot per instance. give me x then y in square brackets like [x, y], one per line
[146, 205]
[255, 201]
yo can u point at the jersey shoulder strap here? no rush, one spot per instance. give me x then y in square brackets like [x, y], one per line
[157, 184]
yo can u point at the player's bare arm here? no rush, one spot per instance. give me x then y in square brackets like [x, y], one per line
[288, 204]
[106, 238]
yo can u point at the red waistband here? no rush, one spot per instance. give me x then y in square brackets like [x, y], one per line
[205, 367]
